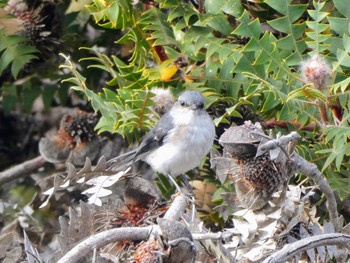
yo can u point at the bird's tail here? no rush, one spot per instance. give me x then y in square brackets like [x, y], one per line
[122, 161]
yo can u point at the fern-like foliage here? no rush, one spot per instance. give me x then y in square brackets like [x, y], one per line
[14, 53]
[243, 54]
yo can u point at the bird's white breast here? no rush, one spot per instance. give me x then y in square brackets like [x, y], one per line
[185, 145]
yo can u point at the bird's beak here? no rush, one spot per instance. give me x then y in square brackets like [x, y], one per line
[194, 107]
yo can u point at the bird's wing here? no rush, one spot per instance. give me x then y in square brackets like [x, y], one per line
[153, 140]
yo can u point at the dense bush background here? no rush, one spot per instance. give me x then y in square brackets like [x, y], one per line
[285, 63]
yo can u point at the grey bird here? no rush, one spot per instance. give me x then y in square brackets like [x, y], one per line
[178, 142]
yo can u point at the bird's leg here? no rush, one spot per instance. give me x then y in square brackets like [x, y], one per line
[187, 183]
[172, 180]
[187, 192]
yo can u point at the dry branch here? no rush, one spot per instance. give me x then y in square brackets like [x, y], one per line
[177, 208]
[310, 170]
[22, 169]
[304, 244]
[283, 140]
[300, 165]
[101, 239]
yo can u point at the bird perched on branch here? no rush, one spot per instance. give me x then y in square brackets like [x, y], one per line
[178, 142]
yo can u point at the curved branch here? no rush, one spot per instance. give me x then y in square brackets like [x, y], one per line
[291, 250]
[101, 239]
[310, 170]
[300, 165]
[22, 169]
[104, 238]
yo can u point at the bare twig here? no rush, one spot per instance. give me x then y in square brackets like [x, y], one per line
[304, 244]
[284, 124]
[212, 236]
[273, 144]
[310, 170]
[22, 169]
[101, 239]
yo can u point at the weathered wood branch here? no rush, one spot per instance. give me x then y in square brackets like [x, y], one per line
[300, 165]
[23, 169]
[304, 244]
[101, 239]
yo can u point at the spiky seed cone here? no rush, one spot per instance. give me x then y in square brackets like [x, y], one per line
[78, 127]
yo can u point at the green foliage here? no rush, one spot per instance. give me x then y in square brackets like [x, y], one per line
[254, 55]
[14, 53]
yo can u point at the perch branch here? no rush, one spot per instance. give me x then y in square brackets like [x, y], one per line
[177, 208]
[22, 169]
[304, 244]
[104, 238]
[101, 239]
[212, 236]
[284, 124]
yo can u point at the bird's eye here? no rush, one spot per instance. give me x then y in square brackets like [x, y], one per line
[182, 103]
[201, 106]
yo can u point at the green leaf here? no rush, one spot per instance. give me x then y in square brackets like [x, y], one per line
[343, 7]
[15, 53]
[157, 22]
[9, 97]
[317, 27]
[339, 24]
[308, 92]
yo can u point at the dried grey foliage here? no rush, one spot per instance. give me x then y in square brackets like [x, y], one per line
[76, 177]
[80, 226]
[9, 251]
[285, 216]
[32, 253]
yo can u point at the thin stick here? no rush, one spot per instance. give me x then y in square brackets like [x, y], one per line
[23, 169]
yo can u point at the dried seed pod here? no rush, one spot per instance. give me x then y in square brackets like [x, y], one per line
[180, 239]
[140, 192]
[79, 126]
[256, 178]
[149, 251]
[76, 139]
[241, 141]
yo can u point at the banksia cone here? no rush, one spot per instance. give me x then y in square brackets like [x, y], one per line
[41, 24]
[31, 18]
[255, 175]
[75, 138]
[78, 127]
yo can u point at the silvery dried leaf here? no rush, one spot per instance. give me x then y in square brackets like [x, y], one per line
[244, 228]
[221, 165]
[310, 252]
[32, 253]
[321, 251]
[328, 227]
